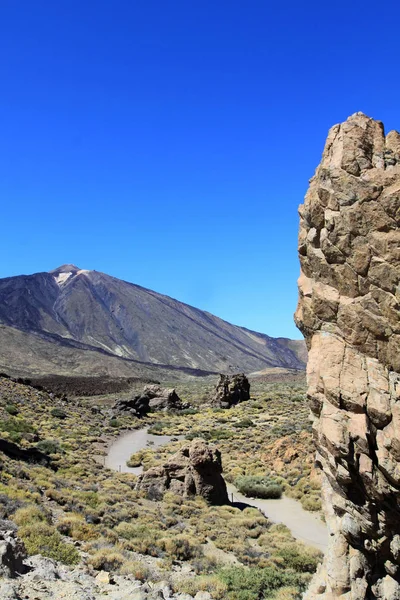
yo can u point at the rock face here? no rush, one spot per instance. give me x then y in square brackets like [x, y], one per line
[194, 470]
[231, 389]
[348, 311]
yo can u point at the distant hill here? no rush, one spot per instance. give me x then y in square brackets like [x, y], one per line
[72, 320]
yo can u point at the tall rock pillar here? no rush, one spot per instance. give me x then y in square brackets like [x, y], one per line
[348, 312]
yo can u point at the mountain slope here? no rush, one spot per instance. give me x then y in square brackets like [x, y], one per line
[89, 312]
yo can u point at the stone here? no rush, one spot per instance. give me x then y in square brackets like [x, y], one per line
[231, 390]
[203, 596]
[348, 312]
[103, 577]
[9, 591]
[196, 469]
[12, 554]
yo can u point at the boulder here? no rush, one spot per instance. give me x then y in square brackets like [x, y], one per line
[12, 554]
[196, 469]
[231, 390]
[349, 313]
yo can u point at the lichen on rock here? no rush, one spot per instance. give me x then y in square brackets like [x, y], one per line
[348, 311]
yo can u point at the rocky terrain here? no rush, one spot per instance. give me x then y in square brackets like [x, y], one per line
[349, 314]
[75, 321]
[84, 531]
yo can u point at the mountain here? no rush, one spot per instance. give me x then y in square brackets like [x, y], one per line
[72, 320]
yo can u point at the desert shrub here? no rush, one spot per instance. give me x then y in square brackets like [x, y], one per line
[192, 435]
[244, 423]
[106, 559]
[299, 558]
[61, 497]
[136, 459]
[205, 583]
[49, 446]
[138, 569]
[41, 538]
[311, 503]
[115, 423]
[74, 526]
[258, 487]
[180, 548]
[255, 583]
[12, 409]
[30, 514]
[157, 428]
[16, 427]
[59, 413]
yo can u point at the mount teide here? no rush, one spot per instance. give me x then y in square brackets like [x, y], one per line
[72, 320]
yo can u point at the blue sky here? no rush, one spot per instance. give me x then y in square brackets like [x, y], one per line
[170, 143]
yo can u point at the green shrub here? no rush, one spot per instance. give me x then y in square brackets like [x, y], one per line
[157, 428]
[107, 559]
[115, 423]
[15, 427]
[29, 514]
[258, 487]
[256, 583]
[180, 547]
[12, 409]
[244, 423]
[311, 503]
[299, 558]
[49, 446]
[59, 413]
[41, 538]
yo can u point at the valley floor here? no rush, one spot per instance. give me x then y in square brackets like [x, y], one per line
[77, 512]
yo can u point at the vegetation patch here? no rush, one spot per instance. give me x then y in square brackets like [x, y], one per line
[258, 487]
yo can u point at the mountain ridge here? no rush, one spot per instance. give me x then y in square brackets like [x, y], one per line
[92, 311]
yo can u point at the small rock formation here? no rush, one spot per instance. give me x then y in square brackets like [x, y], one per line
[137, 406]
[153, 398]
[12, 554]
[231, 389]
[163, 398]
[348, 311]
[194, 470]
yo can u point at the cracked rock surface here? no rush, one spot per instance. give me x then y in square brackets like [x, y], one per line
[348, 311]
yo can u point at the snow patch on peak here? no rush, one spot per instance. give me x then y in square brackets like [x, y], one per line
[62, 277]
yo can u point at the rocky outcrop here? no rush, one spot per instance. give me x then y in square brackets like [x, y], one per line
[153, 398]
[138, 406]
[31, 455]
[163, 398]
[348, 311]
[194, 470]
[231, 389]
[12, 554]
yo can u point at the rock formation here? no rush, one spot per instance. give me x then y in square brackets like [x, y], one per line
[12, 554]
[163, 398]
[231, 389]
[348, 311]
[194, 470]
[152, 398]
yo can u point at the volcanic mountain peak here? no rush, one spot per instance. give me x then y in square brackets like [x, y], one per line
[65, 269]
[76, 312]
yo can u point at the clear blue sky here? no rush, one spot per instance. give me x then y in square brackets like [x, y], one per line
[170, 143]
